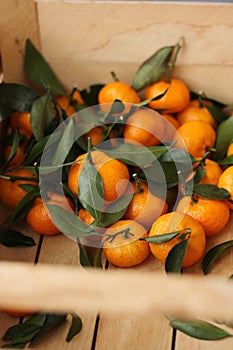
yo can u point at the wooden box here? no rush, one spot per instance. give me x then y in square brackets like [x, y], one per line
[83, 41]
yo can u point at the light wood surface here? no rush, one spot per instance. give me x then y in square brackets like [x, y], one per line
[83, 41]
[135, 30]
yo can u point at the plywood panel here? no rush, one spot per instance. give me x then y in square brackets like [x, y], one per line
[222, 266]
[18, 21]
[103, 42]
[135, 331]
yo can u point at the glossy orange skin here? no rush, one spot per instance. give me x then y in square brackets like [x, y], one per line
[176, 99]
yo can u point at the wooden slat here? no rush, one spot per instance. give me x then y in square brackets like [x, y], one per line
[222, 266]
[58, 250]
[135, 331]
[26, 254]
[95, 42]
[18, 21]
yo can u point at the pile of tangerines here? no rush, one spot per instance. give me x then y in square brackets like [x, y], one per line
[129, 241]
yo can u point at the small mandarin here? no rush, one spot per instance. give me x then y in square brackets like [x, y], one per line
[196, 137]
[145, 127]
[226, 181]
[21, 121]
[10, 191]
[176, 221]
[176, 99]
[121, 244]
[205, 211]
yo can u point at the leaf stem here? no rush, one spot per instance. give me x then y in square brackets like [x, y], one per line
[177, 49]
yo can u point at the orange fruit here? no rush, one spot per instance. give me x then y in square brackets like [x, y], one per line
[177, 221]
[39, 218]
[10, 191]
[77, 98]
[176, 99]
[144, 207]
[17, 313]
[226, 181]
[85, 216]
[196, 137]
[145, 127]
[170, 130]
[196, 113]
[230, 150]
[213, 172]
[96, 135]
[18, 157]
[114, 173]
[120, 91]
[64, 103]
[21, 122]
[213, 215]
[125, 249]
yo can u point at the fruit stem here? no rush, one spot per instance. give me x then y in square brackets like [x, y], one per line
[172, 65]
[184, 233]
[138, 184]
[114, 76]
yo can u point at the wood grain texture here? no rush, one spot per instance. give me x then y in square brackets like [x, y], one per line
[222, 266]
[18, 21]
[95, 42]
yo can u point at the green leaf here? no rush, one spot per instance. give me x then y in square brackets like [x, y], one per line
[136, 155]
[75, 327]
[213, 254]
[114, 211]
[210, 191]
[13, 238]
[153, 69]
[67, 222]
[36, 150]
[199, 175]
[15, 145]
[223, 138]
[200, 329]
[40, 72]
[161, 238]
[216, 112]
[5, 111]
[64, 145]
[90, 95]
[25, 331]
[226, 161]
[90, 189]
[17, 96]
[41, 115]
[23, 207]
[51, 321]
[175, 257]
[98, 258]
[83, 256]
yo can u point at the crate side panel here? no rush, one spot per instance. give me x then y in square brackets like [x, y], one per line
[222, 266]
[18, 21]
[135, 331]
[93, 41]
[61, 250]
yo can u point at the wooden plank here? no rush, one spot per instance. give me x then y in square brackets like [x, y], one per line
[103, 42]
[222, 266]
[127, 331]
[26, 254]
[18, 21]
[62, 250]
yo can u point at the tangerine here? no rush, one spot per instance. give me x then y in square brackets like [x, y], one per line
[176, 99]
[39, 218]
[176, 221]
[196, 113]
[145, 127]
[144, 207]
[10, 191]
[21, 121]
[121, 244]
[226, 181]
[114, 173]
[196, 137]
[205, 211]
